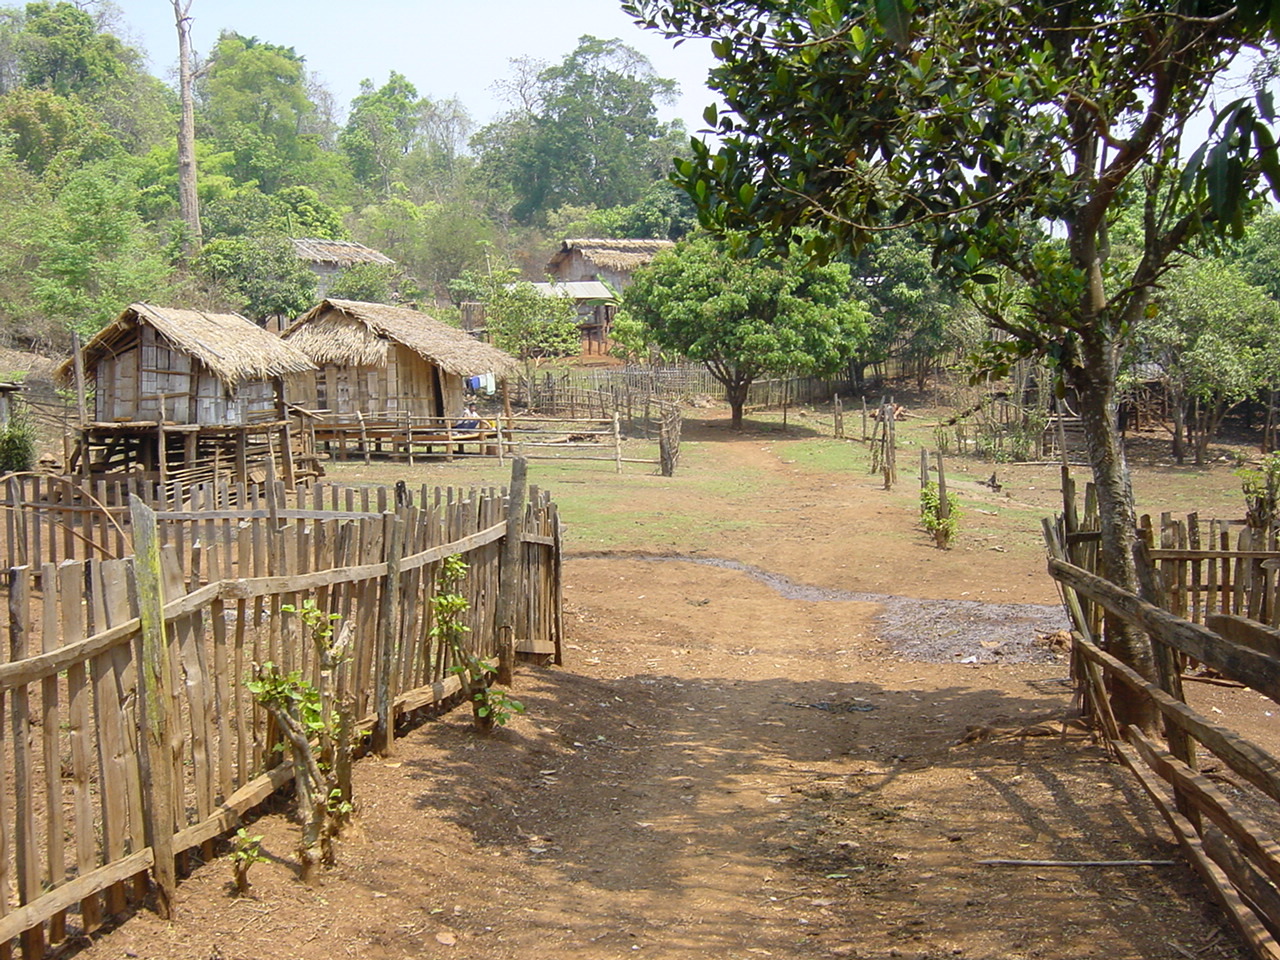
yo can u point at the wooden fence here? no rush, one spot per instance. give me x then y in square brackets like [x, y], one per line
[1238, 859]
[75, 819]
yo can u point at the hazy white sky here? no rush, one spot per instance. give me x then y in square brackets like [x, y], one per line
[445, 47]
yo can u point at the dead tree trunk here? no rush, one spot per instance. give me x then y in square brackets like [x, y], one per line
[188, 201]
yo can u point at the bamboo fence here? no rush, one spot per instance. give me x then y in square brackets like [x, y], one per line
[1200, 598]
[81, 821]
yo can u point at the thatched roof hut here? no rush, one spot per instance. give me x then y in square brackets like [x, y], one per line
[185, 366]
[611, 261]
[377, 358]
[329, 258]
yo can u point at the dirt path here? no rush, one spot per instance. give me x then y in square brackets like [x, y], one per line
[726, 770]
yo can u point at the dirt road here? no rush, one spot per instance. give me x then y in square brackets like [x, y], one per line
[723, 769]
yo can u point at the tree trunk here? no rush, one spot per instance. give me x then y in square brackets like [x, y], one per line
[1096, 391]
[188, 200]
[736, 394]
[1178, 410]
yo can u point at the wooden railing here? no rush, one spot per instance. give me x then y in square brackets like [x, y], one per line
[73, 811]
[1238, 860]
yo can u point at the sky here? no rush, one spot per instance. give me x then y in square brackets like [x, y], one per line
[446, 48]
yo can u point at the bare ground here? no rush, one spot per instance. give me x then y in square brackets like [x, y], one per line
[737, 765]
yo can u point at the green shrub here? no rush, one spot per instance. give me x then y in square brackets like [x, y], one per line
[943, 528]
[17, 443]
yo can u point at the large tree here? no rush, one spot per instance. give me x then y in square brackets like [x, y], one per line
[1013, 133]
[1212, 334]
[743, 317]
[584, 131]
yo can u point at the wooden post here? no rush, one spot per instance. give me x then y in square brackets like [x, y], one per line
[864, 418]
[617, 441]
[157, 786]
[924, 468]
[82, 406]
[388, 616]
[509, 573]
[944, 505]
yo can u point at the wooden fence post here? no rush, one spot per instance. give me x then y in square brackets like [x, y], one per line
[509, 574]
[388, 616]
[157, 791]
[617, 441]
[944, 505]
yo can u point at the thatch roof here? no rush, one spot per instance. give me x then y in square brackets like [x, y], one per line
[234, 349]
[620, 255]
[343, 253]
[353, 333]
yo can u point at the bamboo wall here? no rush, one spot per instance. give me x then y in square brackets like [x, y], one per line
[72, 810]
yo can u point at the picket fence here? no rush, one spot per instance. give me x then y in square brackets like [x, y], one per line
[74, 815]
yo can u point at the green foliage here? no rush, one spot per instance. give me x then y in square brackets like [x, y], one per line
[490, 705]
[743, 317]
[62, 50]
[523, 322]
[49, 133]
[1261, 489]
[272, 687]
[255, 101]
[370, 282]
[246, 850]
[263, 273]
[942, 528]
[95, 257]
[584, 132]
[17, 442]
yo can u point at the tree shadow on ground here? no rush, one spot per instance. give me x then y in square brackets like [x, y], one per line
[746, 806]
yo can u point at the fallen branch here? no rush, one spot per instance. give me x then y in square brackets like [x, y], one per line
[1078, 863]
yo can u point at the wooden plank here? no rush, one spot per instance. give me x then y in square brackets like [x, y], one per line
[1247, 759]
[80, 889]
[228, 813]
[1260, 672]
[512, 568]
[50, 733]
[1213, 803]
[1246, 633]
[26, 847]
[113, 588]
[1249, 926]
[32, 669]
[388, 617]
[535, 646]
[156, 770]
[110, 726]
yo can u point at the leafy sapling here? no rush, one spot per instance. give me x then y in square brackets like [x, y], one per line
[490, 705]
[246, 850]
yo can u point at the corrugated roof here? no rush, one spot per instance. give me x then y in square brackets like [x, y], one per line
[354, 333]
[345, 253]
[233, 348]
[620, 255]
[576, 290]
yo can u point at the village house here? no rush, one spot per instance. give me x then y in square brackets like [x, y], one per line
[383, 371]
[184, 394]
[329, 258]
[611, 262]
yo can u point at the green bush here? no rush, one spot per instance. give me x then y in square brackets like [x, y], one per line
[943, 528]
[17, 443]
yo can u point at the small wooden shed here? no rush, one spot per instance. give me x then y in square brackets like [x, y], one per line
[377, 359]
[184, 393]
